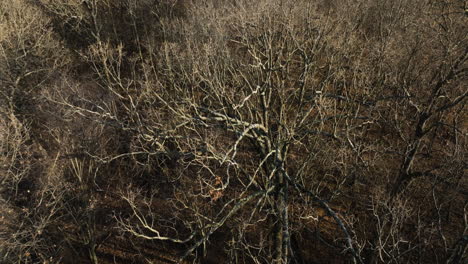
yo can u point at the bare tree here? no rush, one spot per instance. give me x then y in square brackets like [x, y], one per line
[250, 131]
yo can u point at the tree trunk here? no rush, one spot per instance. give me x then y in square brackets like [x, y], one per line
[281, 236]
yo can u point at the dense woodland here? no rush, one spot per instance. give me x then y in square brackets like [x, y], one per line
[233, 131]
